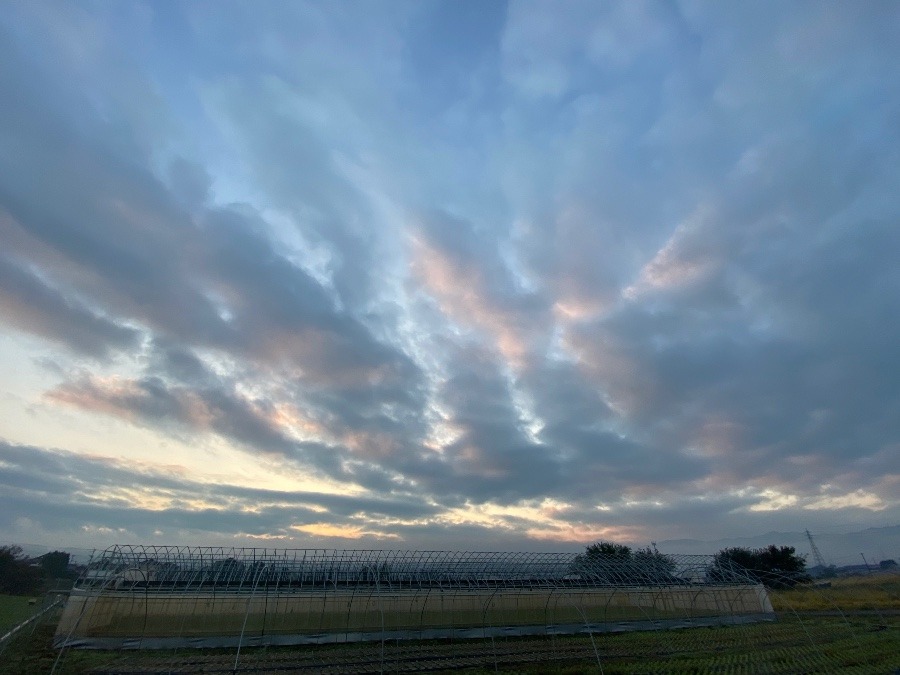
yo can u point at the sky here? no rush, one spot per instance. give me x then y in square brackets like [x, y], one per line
[447, 275]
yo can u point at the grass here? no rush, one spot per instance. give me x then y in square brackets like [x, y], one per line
[14, 609]
[813, 645]
[873, 592]
[864, 639]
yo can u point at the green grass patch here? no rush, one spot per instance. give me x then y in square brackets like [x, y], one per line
[14, 609]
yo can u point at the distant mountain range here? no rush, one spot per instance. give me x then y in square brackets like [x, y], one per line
[876, 543]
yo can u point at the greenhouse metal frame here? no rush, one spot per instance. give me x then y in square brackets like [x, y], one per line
[160, 596]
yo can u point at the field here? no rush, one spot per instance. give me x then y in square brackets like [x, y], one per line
[13, 610]
[851, 627]
[813, 645]
[873, 592]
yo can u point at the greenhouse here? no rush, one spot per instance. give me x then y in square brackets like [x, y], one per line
[153, 597]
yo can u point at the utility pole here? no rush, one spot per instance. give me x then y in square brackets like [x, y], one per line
[817, 555]
[866, 562]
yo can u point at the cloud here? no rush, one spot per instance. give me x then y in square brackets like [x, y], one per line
[36, 306]
[601, 272]
[54, 487]
[474, 287]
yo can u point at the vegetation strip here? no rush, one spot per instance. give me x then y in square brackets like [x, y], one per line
[792, 645]
[11, 633]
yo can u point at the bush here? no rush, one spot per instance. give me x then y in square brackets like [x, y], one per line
[773, 566]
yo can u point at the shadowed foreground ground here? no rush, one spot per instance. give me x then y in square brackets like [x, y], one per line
[813, 644]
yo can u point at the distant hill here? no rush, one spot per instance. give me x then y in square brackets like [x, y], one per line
[876, 543]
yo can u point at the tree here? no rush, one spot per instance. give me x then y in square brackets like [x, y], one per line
[773, 566]
[888, 564]
[17, 576]
[607, 550]
[55, 565]
[600, 560]
[658, 566]
[613, 563]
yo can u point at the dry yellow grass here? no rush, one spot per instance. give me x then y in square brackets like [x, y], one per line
[879, 591]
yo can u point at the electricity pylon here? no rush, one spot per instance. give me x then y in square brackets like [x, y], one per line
[815, 551]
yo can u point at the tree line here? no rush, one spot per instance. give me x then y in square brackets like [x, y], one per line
[22, 575]
[603, 562]
[772, 566]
